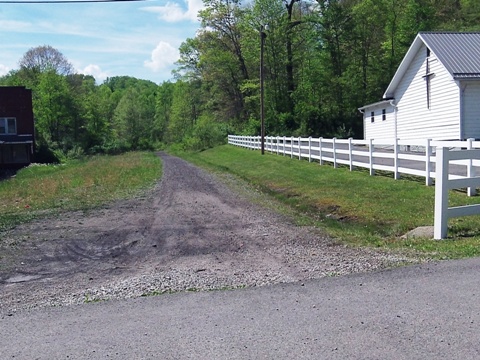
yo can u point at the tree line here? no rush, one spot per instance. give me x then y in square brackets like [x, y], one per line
[323, 60]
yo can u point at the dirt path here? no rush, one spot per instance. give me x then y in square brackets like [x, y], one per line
[189, 233]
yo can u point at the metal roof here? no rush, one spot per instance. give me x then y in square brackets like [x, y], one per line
[459, 52]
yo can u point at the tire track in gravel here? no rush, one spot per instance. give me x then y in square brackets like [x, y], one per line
[190, 232]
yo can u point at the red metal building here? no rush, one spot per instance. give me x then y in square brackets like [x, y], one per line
[16, 127]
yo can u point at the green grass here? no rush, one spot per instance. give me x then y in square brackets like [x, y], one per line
[353, 207]
[82, 184]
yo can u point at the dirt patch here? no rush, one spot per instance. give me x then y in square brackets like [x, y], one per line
[191, 232]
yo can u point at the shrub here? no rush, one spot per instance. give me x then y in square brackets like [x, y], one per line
[206, 134]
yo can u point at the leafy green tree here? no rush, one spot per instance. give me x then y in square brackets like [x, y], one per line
[216, 58]
[163, 110]
[420, 15]
[133, 117]
[54, 109]
[335, 29]
[185, 111]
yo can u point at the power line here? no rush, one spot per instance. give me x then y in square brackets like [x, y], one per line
[61, 1]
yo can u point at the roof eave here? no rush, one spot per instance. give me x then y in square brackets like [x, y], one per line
[386, 101]
[402, 68]
[466, 76]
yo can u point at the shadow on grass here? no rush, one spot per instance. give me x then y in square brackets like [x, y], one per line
[6, 174]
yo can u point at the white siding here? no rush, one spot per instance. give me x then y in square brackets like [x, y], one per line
[379, 129]
[471, 109]
[414, 118]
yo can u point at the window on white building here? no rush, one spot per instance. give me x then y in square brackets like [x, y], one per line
[384, 114]
[372, 116]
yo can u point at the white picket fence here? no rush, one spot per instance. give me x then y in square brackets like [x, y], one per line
[424, 158]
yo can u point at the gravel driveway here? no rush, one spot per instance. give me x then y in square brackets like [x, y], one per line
[191, 232]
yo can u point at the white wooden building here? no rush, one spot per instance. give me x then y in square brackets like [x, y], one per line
[435, 92]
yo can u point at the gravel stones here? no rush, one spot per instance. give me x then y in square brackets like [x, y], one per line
[191, 232]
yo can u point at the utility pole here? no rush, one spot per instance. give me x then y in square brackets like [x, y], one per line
[262, 76]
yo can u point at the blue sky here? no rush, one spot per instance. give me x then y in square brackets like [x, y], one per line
[139, 39]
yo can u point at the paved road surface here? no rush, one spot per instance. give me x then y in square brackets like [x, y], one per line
[431, 311]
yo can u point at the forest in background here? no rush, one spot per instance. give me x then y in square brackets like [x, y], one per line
[323, 60]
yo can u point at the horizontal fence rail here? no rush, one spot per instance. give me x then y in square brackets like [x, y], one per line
[412, 157]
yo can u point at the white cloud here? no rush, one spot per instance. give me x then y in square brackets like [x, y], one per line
[4, 70]
[163, 56]
[15, 26]
[96, 72]
[173, 12]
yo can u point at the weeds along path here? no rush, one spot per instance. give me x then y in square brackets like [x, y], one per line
[191, 232]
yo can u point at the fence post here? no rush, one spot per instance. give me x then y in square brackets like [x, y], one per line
[334, 152]
[291, 147]
[428, 164]
[284, 142]
[350, 155]
[320, 150]
[441, 194]
[309, 149]
[277, 143]
[396, 174]
[471, 191]
[370, 157]
[299, 148]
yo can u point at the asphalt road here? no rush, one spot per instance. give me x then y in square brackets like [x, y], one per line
[430, 311]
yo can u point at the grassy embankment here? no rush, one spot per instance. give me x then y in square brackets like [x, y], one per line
[45, 189]
[351, 206]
